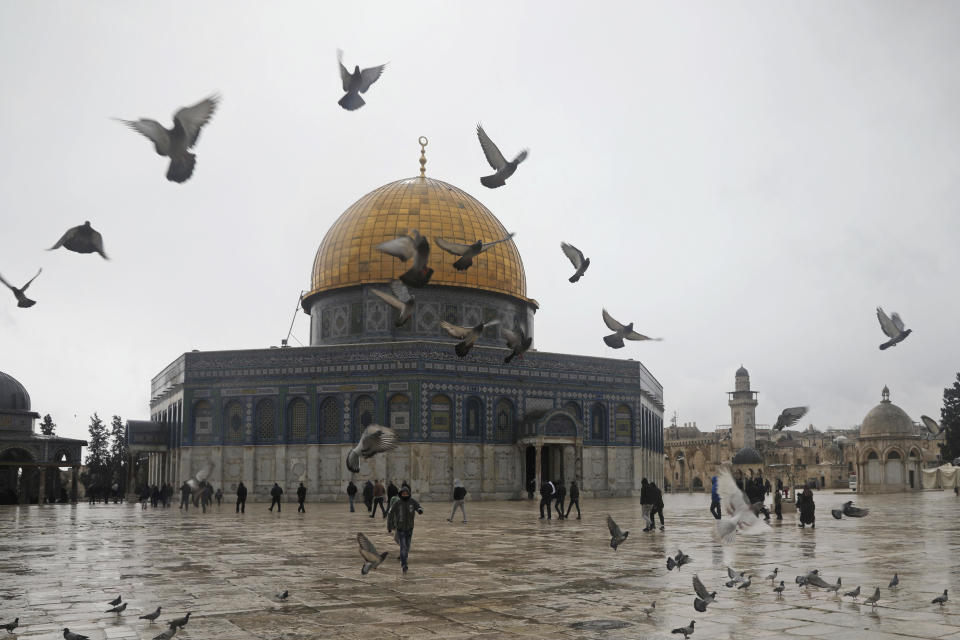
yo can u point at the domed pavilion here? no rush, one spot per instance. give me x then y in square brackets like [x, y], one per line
[288, 415]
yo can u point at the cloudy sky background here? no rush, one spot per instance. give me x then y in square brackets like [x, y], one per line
[750, 179]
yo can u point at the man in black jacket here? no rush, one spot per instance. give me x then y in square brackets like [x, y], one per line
[656, 499]
[574, 499]
[275, 494]
[301, 496]
[351, 494]
[561, 494]
[546, 497]
[185, 492]
[241, 498]
[392, 490]
[459, 493]
[646, 505]
[368, 495]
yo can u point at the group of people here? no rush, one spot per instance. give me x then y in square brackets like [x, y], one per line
[756, 490]
[205, 496]
[651, 504]
[156, 495]
[554, 493]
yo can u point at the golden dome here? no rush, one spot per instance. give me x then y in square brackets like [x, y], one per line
[348, 255]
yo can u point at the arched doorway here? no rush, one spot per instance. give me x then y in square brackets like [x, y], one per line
[18, 481]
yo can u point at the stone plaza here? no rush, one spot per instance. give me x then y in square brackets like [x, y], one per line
[504, 574]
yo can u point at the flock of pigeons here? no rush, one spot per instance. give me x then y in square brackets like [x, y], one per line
[118, 607]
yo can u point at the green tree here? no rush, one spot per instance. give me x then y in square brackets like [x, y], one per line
[98, 452]
[950, 421]
[48, 426]
[118, 450]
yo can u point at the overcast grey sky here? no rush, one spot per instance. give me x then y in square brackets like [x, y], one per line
[750, 179]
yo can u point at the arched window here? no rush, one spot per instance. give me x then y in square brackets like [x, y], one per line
[623, 420]
[202, 422]
[504, 417]
[598, 422]
[893, 455]
[233, 421]
[472, 418]
[440, 416]
[573, 407]
[873, 456]
[400, 414]
[297, 419]
[266, 421]
[364, 414]
[330, 420]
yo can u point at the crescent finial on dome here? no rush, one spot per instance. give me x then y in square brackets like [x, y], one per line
[423, 155]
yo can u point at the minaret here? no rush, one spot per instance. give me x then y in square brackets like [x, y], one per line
[743, 409]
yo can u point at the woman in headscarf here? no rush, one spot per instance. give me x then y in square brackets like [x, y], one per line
[807, 508]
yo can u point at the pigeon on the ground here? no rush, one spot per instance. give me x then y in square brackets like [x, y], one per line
[649, 610]
[499, 164]
[837, 513]
[70, 635]
[789, 417]
[371, 557]
[167, 634]
[743, 514]
[678, 560]
[616, 535]
[576, 257]
[736, 576]
[413, 246]
[22, 300]
[517, 342]
[853, 594]
[467, 252]
[872, 600]
[283, 595]
[686, 631]
[10, 626]
[621, 332]
[117, 609]
[893, 327]
[894, 582]
[468, 335]
[773, 576]
[779, 590]
[375, 439]
[82, 239]
[180, 622]
[932, 425]
[853, 512]
[813, 578]
[116, 601]
[745, 584]
[175, 143]
[356, 83]
[834, 587]
[704, 597]
[940, 600]
[151, 616]
[401, 300]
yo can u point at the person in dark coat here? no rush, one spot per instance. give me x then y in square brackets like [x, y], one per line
[778, 504]
[351, 494]
[561, 495]
[301, 496]
[185, 496]
[241, 498]
[154, 496]
[656, 500]
[402, 515]
[766, 487]
[574, 499]
[218, 496]
[459, 493]
[714, 498]
[275, 494]
[646, 504]
[392, 491]
[368, 495]
[807, 508]
[546, 497]
[144, 497]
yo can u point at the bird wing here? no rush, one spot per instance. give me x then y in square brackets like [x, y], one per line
[817, 581]
[344, 74]
[633, 335]
[367, 550]
[494, 157]
[193, 118]
[487, 245]
[377, 439]
[69, 235]
[614, 529]
[455, 331]
[887, 324]
[401, 291]
[396, 303]
[789, 417]
[9, 286]
[153, 130]
[97, 241]
[730, 493]
[733, 574]
[369, 76]
[928, 422]
[699, 588]
[521, 156]
[24, 288]
[897, 322]
[205, 472]
[513, 340]
[574, 255]
[402, 247]
[454, 248]
[611, 323]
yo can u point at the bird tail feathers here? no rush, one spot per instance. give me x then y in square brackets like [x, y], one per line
[508, 359]
[757, 528]
[492, 182]
[351, 101]
[462, 349]
[463, 264]
[181, 167]
[614, 341]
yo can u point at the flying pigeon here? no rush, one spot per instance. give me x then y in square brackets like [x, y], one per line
[371, 558]
[283, 595]
[736, 576]
[940, 600]
[745, 584]
[401, 300]
[779, 590]
[932, 426]
[22, 300]
[499, 164]
[116, 601]
[198, 478]
[789, 417]
[576, 257]
[375, 439]
[10, 626]
[773, 576]
[517, 342]
[621, 332]
[872, 600]
[468, 335]
[151, 616]
[175, 143]
[70, 635]
[686, 631]
[82, 239]
[617, 537]
[117, 609]
[467, 252]
[180, 622]
[704, 597]
[678, 560]
[834, 587]
[853, 512]
[413, 246]
[853, 594]
[893, 327]
[356, 83]
[649, 610]
[743, 515]
[167, 634]
[894, 582]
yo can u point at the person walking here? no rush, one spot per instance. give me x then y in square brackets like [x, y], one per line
[241, 498]
[656, 498]
[166, 492]
[402, 515]
[275, 494]
[218, 496]
[646, 506]
[546, 497]
[459, 493]
[206, 497]
[777, 504]
[368, 495]
[807, 508]
[379, 491]
[561, 494]
[301, 496]
[144, 497]
[392, 491]
[185, 496]
[154, 496]
[714, 499]
[351, 493]
[574, 499]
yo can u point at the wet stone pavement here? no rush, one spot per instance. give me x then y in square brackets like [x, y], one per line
[505, 574]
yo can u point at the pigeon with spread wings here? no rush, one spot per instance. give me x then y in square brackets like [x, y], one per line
[704, 597]
[893, 327]
[401, 300]
[617, 536]
[621, 332]
[932, 426]
[413, 246]
[499, 164]
[517, 342]
[371, 557]
[356, 83]
[467, 252]
[22, 300]
[576, 258]
[375, 439]
[175, 143]
[789, 417]
[82, 239]
[742, 514]
[467, 335]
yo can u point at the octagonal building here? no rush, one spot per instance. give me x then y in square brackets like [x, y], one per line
[288, 415]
